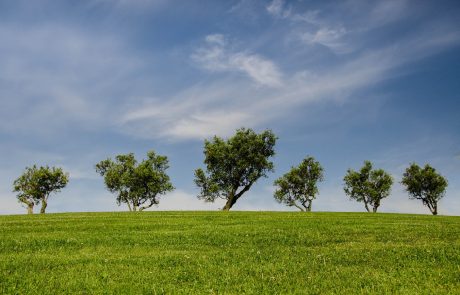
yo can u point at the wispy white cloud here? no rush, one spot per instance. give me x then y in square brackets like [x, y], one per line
[221, 105]
[339, 27]
[329, 37]
[277, 9]
[182, 125]
[319, 30]
[216, 56]
[218, 39]
[196, 113]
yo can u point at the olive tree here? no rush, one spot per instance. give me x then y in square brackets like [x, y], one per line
[36, 184]
[298, 187]
[234, 165]
[424, 184]
[139, 185]
[368, 186]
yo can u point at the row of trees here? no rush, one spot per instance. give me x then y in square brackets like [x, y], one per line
[232, 168]
[299, 188]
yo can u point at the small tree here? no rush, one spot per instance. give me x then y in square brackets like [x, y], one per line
[368, 186]
[298, 187]
[35, 185]
[425, 184]
[234, 165]
[139, 186]
[24, 186]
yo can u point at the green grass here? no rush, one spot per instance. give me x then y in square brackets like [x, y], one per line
[236, 252]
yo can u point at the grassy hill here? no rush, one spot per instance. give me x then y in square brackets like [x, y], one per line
[235, 252]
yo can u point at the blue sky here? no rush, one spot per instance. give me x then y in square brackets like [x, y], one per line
[343, 81]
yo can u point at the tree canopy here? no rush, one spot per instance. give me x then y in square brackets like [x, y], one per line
[234, 165]
[298, 187]
[425, 184]
[36, 184]
[137, 185]
[368, 186]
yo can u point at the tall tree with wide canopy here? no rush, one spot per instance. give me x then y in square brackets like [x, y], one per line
[139, 186]
[298, 187]
[368, 186]
[36, 184]
[425, 184]
[234, 165]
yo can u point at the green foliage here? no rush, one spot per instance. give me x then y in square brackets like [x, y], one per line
[298, 187]
[368, 186]
[425, 184]
[233, 166]
[221, 253]
[36, 184]
[137, 185]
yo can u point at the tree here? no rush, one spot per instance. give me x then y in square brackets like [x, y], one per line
[425, 184]
[368, 186]
[298, 187]
[234, 165]
[24, 187]
[137, 185]
[35, 185]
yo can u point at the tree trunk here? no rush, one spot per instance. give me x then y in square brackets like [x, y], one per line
[374, 209]
[433, 207]
[366, 206]
[44, 205]
[309, 206]
[136, 204]
[297, 206]
[230, 202]
[233, 197]
[30, 208]
[152, 202]
[145, 207]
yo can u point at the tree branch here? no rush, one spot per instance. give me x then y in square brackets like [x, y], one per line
[152, 202]
[294, 204]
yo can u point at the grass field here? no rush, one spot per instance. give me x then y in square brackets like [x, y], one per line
[229, 252]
